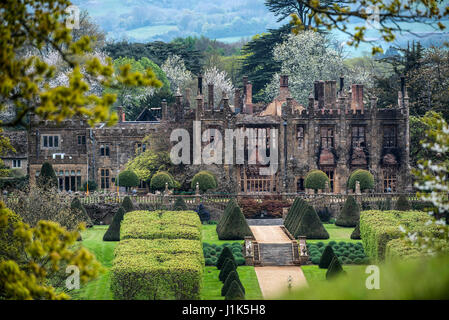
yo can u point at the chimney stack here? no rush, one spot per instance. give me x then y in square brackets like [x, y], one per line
[210, 99]
[164, 109]
[283, 90]
[330, 93]
[121, 114]
[357, 97]
[319, 93]
[245, 82]
[237, 93]
[249, 98]
[200, 84]
[342, 84]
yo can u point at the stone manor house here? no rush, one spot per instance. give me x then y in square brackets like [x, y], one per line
[337, 132]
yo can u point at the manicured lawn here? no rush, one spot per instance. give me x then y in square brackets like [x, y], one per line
[211, 289]
[98, 289]
[337, 234]
[315, 275]
[209, 235]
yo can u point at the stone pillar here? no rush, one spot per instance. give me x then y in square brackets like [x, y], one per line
[210, 99]
[164, 110]
[199, 107]
[357, 188]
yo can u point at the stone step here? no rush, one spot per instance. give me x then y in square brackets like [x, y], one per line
[276, 254]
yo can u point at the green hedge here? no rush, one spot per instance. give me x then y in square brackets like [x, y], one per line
[346, 252]
[365, 178]
[161, 224]
[377, 228]
[159, 180]
[316, 179]
[212, 251]
[170, 266]
[205, 179]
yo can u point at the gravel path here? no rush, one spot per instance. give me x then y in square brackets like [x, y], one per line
[269, 234]
[273, 281]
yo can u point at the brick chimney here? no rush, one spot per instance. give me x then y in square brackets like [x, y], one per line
[283, 87]
[330, 93]
[249, 98]
[319, 93]
[237, 94]
[210, 99]
[357, 97]
[121, 115]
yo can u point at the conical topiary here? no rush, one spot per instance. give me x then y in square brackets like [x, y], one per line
[229, 207]
[226, 253]
[310, 225]
[203, 213]
[78, 208]
[350, 214]
[47, 177]
[113, 232]
[402, 203]
[180, 204]
[235, 292]
[127, 204]
[326, 257]
[228, 267]
[232, 276]
[235, 226]
[294, 214]
[334, 269]
[355, 235]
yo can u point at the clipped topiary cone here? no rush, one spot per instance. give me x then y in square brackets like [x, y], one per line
[226, 253]
[334, 269]
[127, 204]
[326, 257]
[355, 235]
[228, 267]
[233, 276]
[113, 232]
[350, 214]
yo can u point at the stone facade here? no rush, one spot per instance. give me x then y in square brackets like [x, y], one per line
[337, 132]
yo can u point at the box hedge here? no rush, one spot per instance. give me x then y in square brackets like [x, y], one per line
[378, 228]
[161, 224]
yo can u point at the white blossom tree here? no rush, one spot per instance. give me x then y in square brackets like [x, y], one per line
[221, 81]
[176, 72]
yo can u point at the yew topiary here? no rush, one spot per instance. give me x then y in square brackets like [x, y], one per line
[232, 276]
[335, 269]
[316, 180]
[206, 181]
[180, 204]
[402, 203]
[234, 227]
[47, 177]
[235, 292]
[228, 267]
[229, 207]
[365, 178]
[350, 214]
[226, 253]
[310, 225]
[326, 257]
[79, 209]
[355, 235]
[127, 204]
[160, 179]
[113, 232]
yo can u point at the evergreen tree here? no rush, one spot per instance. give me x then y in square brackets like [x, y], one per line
[127, 204]
[78, 207]
[334, 269]
[180, 204]
[355, 235]
[203, 213]
[226, 253]
[47, 177]
[229, 207]
[235, 226]
[402, 203]
[232, 276]
[113, 232]
[326, 257]
[350, 214]
[228, 267]
[235, 292]
[310, 225]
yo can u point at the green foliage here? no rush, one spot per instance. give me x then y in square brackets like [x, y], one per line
[400, 248]
[128, 179]
[228, 267]
[161, 224]
[226, 253]
[229, 207]
[378, 228]
[212, 252]
[294, 214]
[113, 232]
[127, 204]
[350, 214]
[79, 209]
[355, 235]
[160, 179]
[180, 204]
[234, 226]
[316, 180]
[205, 179]
[309, 224]
[334, 269]
[365, 178]
[326, 257]
[9, 242]
[346, 252]
[92, 185]
[235, 292]
[47, 177]
[402, 203]
[232, 276]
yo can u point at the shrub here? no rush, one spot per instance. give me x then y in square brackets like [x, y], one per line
[316, 180]
[128, 179]
[127, 204]
[273, 208]
[326, 257]
[310, 225]
[160, 225]
[92, 185]
[315, 259]
[365, 178]
[377, 228]
[113, 232]
[234, 292]
[203, 213]
[229, 207]
[10, 243]
[355, 235]
[159, 179]
[79, 209]
[232, 276]
[234, 226]
[400, 248]
[294, 215]
[180, 204]
[350, 214]
[402, 203]
[250, 207]
[228, 266]
[205, 179]
[47, 177]
[226, 253]
[324, 214]
[334, 269]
